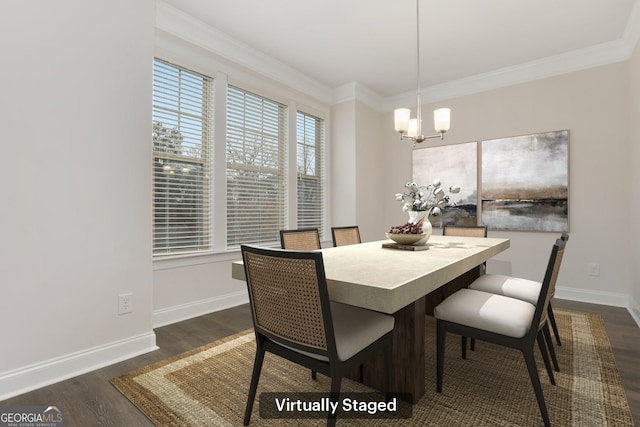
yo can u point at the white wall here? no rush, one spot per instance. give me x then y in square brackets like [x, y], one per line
[75, 106]
[593, 105]
[343, 164]
[356, 168]
[634, 185]
[370, 167]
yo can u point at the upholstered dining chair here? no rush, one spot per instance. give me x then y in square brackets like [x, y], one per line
[465, 231]
[504, 321]
[343, 236]
[301, 239]
[523, 289]
[294, 319]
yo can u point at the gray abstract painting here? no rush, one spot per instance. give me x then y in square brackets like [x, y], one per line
[525, 182]
[454, 165]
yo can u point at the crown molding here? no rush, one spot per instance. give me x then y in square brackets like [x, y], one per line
[196, 32]
[184, 26]
[357, 91]
[578, 60]
[582, 59]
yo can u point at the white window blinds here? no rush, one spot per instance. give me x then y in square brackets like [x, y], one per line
[310, 161]
[181, 163]
[256, 172]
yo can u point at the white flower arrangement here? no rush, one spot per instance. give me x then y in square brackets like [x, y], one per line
[431, 198]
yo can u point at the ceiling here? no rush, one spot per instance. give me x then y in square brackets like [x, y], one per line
[373, 42]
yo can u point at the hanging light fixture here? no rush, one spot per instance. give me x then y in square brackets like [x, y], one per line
[412, 128]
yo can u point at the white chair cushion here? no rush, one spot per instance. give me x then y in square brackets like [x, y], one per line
[487, 311]
[354, 329]
[514, 287]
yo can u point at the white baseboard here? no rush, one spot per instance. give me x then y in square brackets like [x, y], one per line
[23, 380]
[593, 297]
[167, 316]
[634, 309]
[599, 297]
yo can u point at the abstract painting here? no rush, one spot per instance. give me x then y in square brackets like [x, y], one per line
[454, 165]
[525, 182]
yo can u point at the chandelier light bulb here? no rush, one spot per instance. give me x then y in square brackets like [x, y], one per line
[442, 119]
[402, 116]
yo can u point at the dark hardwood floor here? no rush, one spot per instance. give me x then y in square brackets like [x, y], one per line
[90, 400]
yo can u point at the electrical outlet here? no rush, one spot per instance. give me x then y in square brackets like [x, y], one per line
[593, 269]
[125, 303]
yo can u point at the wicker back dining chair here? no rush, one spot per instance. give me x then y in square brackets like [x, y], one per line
[465, 230]
[294, 319]
[301, 239]
[343, 236]
[501, 320]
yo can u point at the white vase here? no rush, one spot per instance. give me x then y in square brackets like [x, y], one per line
[427, 229]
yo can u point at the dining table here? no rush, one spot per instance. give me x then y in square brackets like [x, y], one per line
[398, 280]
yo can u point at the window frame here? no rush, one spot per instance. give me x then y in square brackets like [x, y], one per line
[170, 177]
[316, 219]
[264, 121]
[296, 101]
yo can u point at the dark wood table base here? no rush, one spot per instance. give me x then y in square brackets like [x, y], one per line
[409, 343]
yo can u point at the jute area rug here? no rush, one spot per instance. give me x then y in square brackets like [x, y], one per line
[208, 385]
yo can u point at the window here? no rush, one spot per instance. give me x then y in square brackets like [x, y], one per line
[259, 174]
[310, 148]
[181, 163]
[256, 168]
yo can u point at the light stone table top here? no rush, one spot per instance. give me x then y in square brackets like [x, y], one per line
[382, 279]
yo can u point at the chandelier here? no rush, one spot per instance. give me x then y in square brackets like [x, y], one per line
[412, 128]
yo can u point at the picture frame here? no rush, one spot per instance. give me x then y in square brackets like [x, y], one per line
[455, 164]
[525, 182]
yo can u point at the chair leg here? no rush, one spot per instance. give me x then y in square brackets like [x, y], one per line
[463, 346]
[441, 335]
[545, 356]
[552, 350]
[334, 395]
[257, 368]
[537, 387]
[552, 319]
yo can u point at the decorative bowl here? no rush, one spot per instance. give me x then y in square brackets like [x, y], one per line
[405, 239]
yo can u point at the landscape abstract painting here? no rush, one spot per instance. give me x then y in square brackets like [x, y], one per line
[525, 182]
[454, 165]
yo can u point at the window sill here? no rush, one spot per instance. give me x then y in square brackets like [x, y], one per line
[186, 260]
[177, 261]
